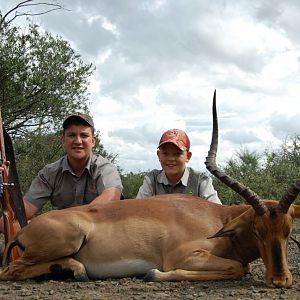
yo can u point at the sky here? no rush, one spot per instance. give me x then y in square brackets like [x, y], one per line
[158, 63]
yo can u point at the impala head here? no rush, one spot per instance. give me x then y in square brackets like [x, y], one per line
[272, 231]
[270, 221]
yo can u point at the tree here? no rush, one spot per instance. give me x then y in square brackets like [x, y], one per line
[283, 166]
[42, 79]
[33, 152]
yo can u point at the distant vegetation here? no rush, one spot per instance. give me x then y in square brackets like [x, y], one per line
[268, 174]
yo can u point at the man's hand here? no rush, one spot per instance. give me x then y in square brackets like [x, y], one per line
[109, 194]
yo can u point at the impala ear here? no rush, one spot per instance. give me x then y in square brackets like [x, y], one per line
[296, 211]
[235, 226]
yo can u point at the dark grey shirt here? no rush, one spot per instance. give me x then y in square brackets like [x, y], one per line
[58, 183]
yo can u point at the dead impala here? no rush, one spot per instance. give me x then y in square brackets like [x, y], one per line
[166, 238]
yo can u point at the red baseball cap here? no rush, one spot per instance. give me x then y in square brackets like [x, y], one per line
[177, 137]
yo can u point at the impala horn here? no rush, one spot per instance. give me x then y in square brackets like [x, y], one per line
[251, 197]
[289, 197]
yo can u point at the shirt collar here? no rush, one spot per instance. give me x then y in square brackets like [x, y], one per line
[66, 166]
[162, 178]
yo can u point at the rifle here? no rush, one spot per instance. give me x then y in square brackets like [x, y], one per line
[10, 192]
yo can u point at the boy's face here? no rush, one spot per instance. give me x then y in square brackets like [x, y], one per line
[78, 141]
[173, 159]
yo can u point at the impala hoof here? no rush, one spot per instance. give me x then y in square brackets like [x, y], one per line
[150, 275]
[81, 277]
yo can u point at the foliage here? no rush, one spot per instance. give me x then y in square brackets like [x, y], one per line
[283, 166]
[42, 79]
[269, 175]
[131, 183]
[244, 167]
[33, 152]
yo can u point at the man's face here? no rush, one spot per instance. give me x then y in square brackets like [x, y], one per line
[172, 159]
[78, 141]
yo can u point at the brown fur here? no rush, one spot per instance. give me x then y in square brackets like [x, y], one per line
[169, 237]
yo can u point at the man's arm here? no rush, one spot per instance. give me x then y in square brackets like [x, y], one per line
[109, 194]
[30, 209]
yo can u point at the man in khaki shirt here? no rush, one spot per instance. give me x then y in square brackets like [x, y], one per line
[80, 177]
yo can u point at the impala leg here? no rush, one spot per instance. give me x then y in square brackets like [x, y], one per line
[72, 264]
[201, 265]
[20, 270]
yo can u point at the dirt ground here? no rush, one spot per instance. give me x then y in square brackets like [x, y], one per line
[252, 286]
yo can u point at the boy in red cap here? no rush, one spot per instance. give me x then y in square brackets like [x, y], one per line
[175, 177]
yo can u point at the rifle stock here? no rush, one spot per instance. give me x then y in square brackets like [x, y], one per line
[8, 214]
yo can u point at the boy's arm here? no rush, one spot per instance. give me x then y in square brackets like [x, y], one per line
[207, 191]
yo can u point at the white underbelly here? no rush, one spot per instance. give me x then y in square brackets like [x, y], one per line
[118, 269]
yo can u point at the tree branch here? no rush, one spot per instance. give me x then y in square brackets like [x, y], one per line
[4, 22]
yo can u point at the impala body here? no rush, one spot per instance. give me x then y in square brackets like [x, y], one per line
[164, 238]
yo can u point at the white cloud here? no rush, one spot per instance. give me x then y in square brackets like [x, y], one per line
[158, 63]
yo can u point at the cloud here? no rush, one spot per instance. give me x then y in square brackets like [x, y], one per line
[241, 137]
[158, 63]
[283, 126]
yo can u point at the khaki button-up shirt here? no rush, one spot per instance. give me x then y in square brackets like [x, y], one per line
[58, 183]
